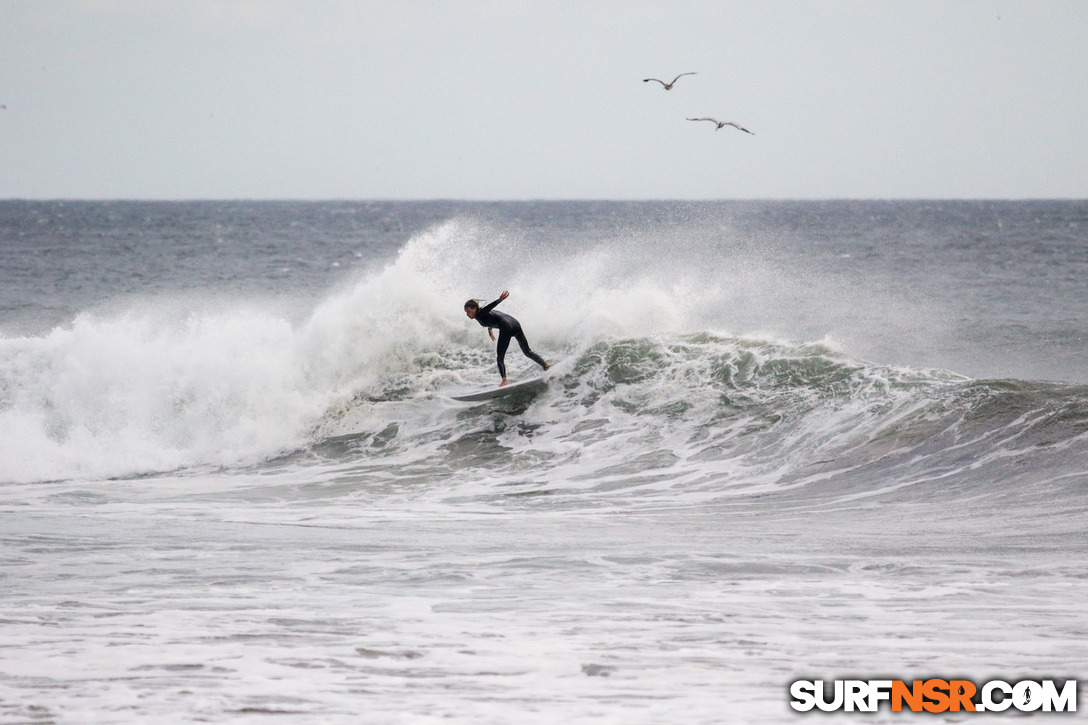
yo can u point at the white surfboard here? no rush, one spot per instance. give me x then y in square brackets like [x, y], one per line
[525, 386]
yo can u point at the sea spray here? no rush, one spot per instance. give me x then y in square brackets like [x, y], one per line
[143, 392]
[172, 383]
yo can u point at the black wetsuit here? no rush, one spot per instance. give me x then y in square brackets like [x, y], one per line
[508, 327]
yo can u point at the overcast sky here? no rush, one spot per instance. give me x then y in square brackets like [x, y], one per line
[509, 99]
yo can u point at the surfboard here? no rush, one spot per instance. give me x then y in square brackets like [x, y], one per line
[525, 386]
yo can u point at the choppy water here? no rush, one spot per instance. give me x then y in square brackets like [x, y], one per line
[779, 441]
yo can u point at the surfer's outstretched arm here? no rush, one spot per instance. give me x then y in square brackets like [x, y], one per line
[491, 306]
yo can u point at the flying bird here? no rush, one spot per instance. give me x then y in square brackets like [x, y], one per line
[734, 124]
[668, 86]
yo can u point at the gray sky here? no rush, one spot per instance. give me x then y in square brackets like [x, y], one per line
[501, 99]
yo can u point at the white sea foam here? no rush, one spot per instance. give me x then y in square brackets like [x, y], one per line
[144, 392]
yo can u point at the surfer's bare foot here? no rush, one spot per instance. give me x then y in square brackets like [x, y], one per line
[502, 383]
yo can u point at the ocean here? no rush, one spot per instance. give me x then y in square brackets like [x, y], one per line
[779, 441]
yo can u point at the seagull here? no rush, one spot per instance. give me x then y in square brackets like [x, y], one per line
[668, 86]
[734, 124]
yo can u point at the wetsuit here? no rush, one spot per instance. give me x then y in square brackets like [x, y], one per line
[508, 327]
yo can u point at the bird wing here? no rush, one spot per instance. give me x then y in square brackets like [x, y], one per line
[647, 80]
[736, 125]
[712, 120]
[682, 75]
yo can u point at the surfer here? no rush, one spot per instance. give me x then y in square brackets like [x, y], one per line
[507, 326]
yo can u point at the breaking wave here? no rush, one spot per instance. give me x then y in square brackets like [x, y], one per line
[651, 393]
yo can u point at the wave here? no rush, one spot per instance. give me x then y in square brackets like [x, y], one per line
[168, 383]
[649, 395]
[709, 416]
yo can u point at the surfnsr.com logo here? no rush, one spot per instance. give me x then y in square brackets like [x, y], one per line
[934, 695]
